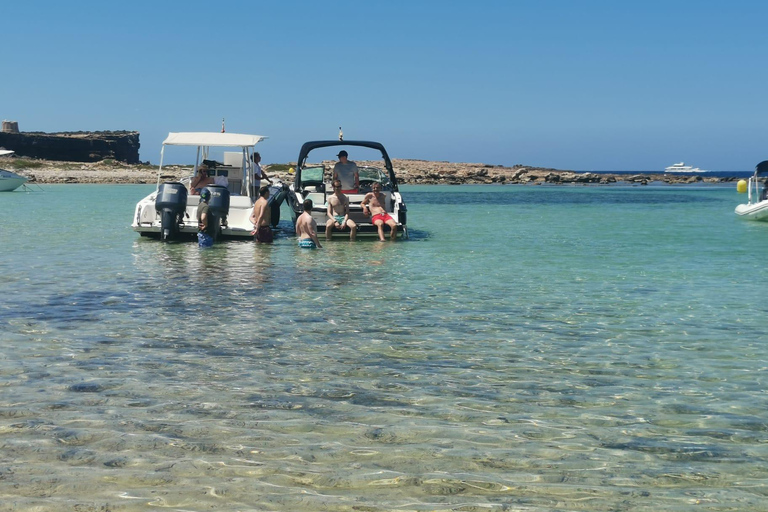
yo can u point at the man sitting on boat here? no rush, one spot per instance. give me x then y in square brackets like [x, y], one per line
[373, 204]
[200, 181]
[338, 213]
[346, 171]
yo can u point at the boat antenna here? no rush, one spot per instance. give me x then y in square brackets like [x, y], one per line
[341, 134]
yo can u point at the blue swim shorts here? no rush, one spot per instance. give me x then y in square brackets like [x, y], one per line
[307, 243]
[204, 240]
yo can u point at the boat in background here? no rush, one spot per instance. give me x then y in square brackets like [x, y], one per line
[757, 210]
[170, 212]
[681, 167]
[313, 181]
[10, 181]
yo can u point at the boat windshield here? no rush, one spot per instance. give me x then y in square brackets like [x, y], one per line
[371, 174]
[312, 175]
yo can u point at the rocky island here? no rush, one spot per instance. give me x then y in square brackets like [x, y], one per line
[410, 172]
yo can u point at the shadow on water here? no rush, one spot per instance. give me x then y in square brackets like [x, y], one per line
[68, 309]
[418, 235]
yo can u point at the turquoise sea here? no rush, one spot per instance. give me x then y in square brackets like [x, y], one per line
[530, 348]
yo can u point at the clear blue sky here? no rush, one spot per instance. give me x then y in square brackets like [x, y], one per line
[603, 85]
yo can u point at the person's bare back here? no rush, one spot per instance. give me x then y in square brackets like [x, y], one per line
[261, 217]
[306, 228]
[262, 213]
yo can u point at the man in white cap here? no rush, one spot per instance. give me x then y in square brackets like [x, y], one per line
[346, 172]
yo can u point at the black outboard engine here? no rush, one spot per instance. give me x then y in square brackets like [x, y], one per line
[402, 214]
[171, 203]
[276, 198]
[218, 208]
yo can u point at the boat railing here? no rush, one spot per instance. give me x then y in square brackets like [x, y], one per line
[753, 187]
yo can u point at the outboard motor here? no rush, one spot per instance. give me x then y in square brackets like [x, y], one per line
[218, 207]
[171, 203]
[276, 197]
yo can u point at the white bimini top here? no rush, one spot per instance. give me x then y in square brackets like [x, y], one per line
[212, 139]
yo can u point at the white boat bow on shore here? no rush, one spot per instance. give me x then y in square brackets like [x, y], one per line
[10, 181]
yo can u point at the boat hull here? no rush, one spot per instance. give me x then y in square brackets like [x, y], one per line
[147, 220]
[755, 211]
[10, 181]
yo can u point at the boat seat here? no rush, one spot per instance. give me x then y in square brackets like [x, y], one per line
[318, 199]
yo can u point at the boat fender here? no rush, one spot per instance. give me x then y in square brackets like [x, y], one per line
[741, 186]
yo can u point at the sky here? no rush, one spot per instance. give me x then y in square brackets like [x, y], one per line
[581, 85]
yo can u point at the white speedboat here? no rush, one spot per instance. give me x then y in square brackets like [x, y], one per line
[313, 181]
[170, 212]
[681, 167]
[10, 181]
[756, 207]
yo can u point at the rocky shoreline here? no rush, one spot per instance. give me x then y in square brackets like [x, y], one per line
[411, 172]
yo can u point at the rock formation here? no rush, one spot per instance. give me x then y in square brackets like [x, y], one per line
[74, 146]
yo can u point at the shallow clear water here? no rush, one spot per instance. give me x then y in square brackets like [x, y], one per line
[530, 348]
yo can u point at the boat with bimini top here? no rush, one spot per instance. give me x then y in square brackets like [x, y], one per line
[10, 181]
[314, 181]
[756, 207]
[170, 212]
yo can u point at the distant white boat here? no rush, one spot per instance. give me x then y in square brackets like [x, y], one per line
[681, 167]
[10, 181]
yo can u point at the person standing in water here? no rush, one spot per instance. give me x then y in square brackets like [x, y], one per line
[200, 180]
[306, 228]
[261, 217]
[204, 225]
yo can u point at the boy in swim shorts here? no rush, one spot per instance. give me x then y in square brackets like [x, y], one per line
[338, 213]
[306, 228]
[307, 243]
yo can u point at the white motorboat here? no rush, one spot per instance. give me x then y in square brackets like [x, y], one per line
[10, 181]
[681, 167]
[170, 212]
[313, 181]
[756, 207]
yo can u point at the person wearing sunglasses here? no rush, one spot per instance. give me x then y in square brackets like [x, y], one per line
[338, 213]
